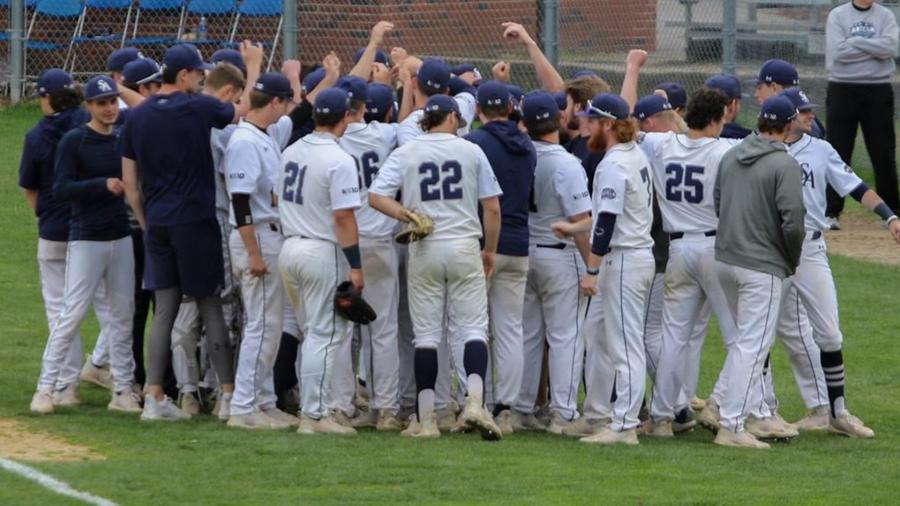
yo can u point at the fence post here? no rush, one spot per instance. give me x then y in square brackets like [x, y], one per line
[549, 31]
[289, 31]
[16, 49]
[729, 37]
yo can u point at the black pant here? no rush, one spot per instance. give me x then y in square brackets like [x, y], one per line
[872, 107]
[142, 299]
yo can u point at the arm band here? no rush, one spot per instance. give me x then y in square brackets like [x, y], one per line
[603, 232]
[240, 202]
[354, 258]
[859, 191]
[884, 211]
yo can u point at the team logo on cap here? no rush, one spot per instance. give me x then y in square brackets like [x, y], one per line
[103, 86]
[496, 101]
[433, 84]
[259, 86]
[543, 115]
[803, 97]
[433, 107]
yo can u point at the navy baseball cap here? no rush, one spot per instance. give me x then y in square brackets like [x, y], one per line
[727, 84]
[444, 103]
[231, 56]
[457, 85]
[331, 101]
[463, 68]
[100, 87]
[312, 80]
[356, 87]
[54, 80]
[142, 71]
[584, 73]
[561, 102]
[379, 98]
[121, 57]
[778, 108]
[539, 105]
[675, 92]
[493, 94]
[184, 57]
[778, 72]
[434, 74]
[607, 105]
[274, 84]
[380, 55]
[799, 99]
[650, 105]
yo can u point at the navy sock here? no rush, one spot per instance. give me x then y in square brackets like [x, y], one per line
[500, 407]
[833, 366]
[475, 358]
[426, 368]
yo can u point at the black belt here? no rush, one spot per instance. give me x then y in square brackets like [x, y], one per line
[816, 235]
[559, 245]
[274, 227]
[678, 235]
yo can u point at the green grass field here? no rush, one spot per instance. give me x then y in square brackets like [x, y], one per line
[203, 462]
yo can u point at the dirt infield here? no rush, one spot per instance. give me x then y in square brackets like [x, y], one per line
[19, 443]
[862, 237]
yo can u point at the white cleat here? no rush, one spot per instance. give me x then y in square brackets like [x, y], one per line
[661, 428]
[222, 409]
[67, 397]
[742, 439]
[324, 425]
[42, 402]
[342, 418]
[609, 436]
[188, 403]
[709, 417]
[164, 410]
[583, 427]
[364, 419]
[426, 429]
[848, 425]
[772, 427]
[285, 419]
[125, 401]
[817, 419]
[362, 396]
[477, 417]
[524, 422]
[388, 422]
[99, 376]
[256, 420]
[504, 421]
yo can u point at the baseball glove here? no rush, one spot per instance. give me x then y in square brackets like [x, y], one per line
[419, 226]
[348, 302]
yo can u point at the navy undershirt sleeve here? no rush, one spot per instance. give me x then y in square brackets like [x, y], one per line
[603, 232]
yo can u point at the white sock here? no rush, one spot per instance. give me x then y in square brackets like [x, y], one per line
[426, 404]
[475, 384]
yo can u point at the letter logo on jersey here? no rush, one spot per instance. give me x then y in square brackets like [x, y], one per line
[607, 194]
[807, 175]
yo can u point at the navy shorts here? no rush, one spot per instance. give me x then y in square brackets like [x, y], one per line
[187, 256]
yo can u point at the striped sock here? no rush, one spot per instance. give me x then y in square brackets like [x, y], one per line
[833, 366]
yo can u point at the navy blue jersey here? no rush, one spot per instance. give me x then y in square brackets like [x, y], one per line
[734, 131]
[36, 171]
[168, 137]
[85, 159]
[578, 146]
[513, 158]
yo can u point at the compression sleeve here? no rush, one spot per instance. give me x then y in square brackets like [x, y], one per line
[240, 203]
[603, 232]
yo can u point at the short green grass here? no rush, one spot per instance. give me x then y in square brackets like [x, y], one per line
[203, 462]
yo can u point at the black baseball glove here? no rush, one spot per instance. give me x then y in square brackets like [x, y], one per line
[348, 302]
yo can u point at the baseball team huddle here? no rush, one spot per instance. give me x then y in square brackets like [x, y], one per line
[414, 247]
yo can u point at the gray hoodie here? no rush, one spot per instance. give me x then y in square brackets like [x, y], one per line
[759, 200]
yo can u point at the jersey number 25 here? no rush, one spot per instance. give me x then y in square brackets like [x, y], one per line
[681, 183]
[440, 183]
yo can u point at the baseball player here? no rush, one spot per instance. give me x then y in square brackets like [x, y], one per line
[553, 306]
[621, 243]
[143, 76]
[87, 175]
[370, 143]
[774, 77]
[512, 154]
[432, 78]
[319, 190]
[731, 87]
[115, 65]
[675, 94]
[445, 177]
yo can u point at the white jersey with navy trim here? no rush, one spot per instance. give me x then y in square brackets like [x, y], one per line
[443, 176]
[822, 166]
[317, 178]
[560, 191]
[252, 166]
[623, 186]
[684, 175]
[370, 144]
[409, 128]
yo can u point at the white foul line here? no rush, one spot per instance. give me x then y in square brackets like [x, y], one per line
[52, 483]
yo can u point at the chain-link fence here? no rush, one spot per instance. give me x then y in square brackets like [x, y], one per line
[684, 37]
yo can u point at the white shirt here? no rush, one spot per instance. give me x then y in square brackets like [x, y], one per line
[218, 141]
[318, 178]
[252, 166]
[443, 176]
[560, 191]
[409, 128]
[684, 175]
[370, 144]
[821, 166]
[623, 186]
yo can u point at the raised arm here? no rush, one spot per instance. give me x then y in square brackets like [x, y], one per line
[253, 57]
[633, 62]
[548, 76]
[363, 67]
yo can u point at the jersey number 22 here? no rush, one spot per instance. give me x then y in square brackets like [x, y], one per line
[440, 183]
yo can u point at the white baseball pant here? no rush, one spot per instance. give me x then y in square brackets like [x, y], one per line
[88, 263]
[598, 371]
[554, 310]
[311, 270]
[506, 301]
[51, 257]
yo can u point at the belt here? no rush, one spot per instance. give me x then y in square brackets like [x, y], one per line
[274, 227]
[559, 245]
[678, 235]
[814, 236]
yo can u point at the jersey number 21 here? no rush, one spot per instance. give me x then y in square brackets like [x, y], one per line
[293, 175]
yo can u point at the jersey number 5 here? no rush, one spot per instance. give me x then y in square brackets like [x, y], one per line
[440, 184]
[681, 183]
[293, 174]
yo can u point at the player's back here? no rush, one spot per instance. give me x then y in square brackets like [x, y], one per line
[306, 186]
[559, 179]
[369, 145]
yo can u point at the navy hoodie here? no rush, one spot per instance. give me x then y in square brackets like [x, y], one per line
[37, 166]
[512, 157]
